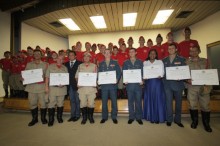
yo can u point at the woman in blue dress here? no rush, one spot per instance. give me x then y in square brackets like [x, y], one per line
[154, 94]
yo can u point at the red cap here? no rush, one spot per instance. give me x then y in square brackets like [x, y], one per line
[170, 33]
[115, 47]
[121, 40]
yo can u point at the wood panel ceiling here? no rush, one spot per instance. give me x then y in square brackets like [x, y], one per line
[112, 13]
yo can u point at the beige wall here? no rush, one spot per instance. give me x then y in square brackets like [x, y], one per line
[5, 22]
[113, 37]
[206, 31]
[31, 36]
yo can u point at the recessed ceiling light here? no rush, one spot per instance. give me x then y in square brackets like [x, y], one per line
[98, 22]
[70, 24]
[129, 19]
[162, 16]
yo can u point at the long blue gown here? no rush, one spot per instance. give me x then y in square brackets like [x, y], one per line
[154, 101]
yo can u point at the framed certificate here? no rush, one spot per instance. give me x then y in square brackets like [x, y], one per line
[32, 76]
[132, 76]
[87, 79]
[152, 71]
[205, 77]
[108, 77]
[178, 73]
[57, 79]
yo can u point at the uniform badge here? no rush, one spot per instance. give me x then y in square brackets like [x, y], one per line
[177, 62]
[145, 51]
[112, 65]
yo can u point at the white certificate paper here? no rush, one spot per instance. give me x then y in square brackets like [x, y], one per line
[32, 76]
[87, 79]
[152, 71]
[132, 76]
[57, 79]
[205, 77]
[178, 73]
[108, 77]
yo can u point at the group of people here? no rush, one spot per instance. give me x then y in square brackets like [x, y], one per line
[158, 93]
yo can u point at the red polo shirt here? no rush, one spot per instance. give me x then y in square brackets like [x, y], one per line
[185, 46]
[122, 57]
[99, 57]
[6, 64]
[142, 53]
[165, 48]
[160, 51]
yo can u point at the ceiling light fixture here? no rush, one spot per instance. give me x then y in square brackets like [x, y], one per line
[162, 16]
[70, 24]
[129, 19]
[98, 22]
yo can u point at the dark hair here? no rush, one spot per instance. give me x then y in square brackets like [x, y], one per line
[132, 49]
[6, 52]
[148, 57]
[198, 48]
[72, 52]
[159, 36]
[187, 28]
[173, 44]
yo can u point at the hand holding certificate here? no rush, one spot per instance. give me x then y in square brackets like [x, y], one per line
[32, 76]
[177, 73]
[205, 77]
[108, 77]
[132, 76]
[153, 71]
[57, 79]
[87, 79]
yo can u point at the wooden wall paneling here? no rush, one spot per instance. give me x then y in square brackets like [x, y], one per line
[99, 11]
[146, 12]
[120, 19]
[111, 16]
[89, 13]
[124, 10]
[141, 14]
[107, 18]
[115, 15]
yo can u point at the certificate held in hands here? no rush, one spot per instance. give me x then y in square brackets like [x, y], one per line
[32, 76]
[108, 77]
[153, 71]
[87, 79]
[132, 76]
[57, 79]
[205, 77]
[177, 73]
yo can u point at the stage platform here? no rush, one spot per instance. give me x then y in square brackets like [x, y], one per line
[22, 104]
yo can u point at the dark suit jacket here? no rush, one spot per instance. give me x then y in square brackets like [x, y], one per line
[72, 73]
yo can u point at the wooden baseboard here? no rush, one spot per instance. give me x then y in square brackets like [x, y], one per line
[22, 104]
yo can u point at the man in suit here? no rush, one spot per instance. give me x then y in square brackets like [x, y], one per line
[173, 87]
[109, 89]
[72, 67]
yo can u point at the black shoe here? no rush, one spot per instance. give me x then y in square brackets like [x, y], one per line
[84, 115]
[43, 112]
[157, 122]
[51, 113]
[206, 120]
[179, 124]
[71, 119]
[130, 121]
[115, 121]
[103, 121]
[169, 124]
[140, 122]
[75, 119]
[59, 114]
[90, 115]
[34, 113]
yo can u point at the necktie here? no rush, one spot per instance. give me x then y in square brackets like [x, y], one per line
[71, 64]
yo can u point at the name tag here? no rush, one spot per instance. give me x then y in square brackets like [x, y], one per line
[177, 62]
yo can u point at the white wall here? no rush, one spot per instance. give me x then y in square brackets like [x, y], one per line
[113, 37]
[31, 36]
[5, 22]
[206, 31]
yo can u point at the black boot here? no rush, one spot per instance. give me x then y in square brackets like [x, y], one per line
[194, 117]
[84, 115]
[11, 93]
[206, 120]
[6, 93]
[34, 113]
[51, 112]
[90, 115]
[43, 112]
[59, 114]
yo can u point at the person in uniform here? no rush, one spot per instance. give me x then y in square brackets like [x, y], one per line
[170, 40]
[130, 43]
[187, 43]
[36, 91]
[79, 53]
[5, 65]
[198, 94]
[109, 90]
[72, 67]
[142, 51]
[173, 87]
[134, 90]
[158, 47]
[114, 55]
[56, 93]
[30, 53]
[87, 95]
[110, 46]
[149, 44]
